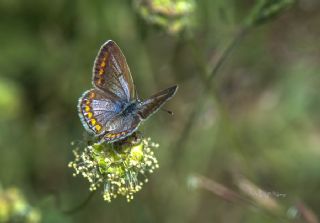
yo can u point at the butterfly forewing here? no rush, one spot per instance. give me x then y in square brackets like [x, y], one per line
[154, 103]
[111, 72]
[96, 108]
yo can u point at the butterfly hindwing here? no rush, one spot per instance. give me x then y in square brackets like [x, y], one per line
[154, 103]
[111, 72]
[121, 126]
[96, 108]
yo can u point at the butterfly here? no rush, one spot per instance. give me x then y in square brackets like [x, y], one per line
[112, 110]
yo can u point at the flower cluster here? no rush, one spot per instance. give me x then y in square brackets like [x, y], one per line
[15, 208]
[120, 168]
[172, 15]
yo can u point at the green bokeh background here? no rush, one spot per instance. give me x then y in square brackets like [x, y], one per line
[265, 125]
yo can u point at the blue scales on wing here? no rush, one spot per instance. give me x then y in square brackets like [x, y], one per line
[96, 108]
[101, 109]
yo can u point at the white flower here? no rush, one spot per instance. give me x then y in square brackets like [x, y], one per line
[119, 167]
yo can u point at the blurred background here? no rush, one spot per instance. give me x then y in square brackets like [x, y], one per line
[243, 145]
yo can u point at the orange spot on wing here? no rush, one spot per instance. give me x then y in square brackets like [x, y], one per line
[101, 72]
[87, 108]
[98, 128]
[119, 134]
[100, 81]
[93, 121]
[89, 115]
[92, 95]
[103, 64]
[110, 136]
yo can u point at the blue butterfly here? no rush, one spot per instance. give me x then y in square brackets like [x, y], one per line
[112, 109]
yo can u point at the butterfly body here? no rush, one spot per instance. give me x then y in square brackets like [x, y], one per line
[131, 108]
[112, 110]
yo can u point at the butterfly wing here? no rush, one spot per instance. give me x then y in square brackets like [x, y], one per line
[96, 108]
[121, 126]
[154, 103]
[101, 109]
[124, 125]
[111, 72]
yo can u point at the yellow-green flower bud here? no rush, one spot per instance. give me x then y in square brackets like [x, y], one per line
[119, 167]
[172, 15]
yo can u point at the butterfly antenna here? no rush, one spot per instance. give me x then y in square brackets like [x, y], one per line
[168, 111]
